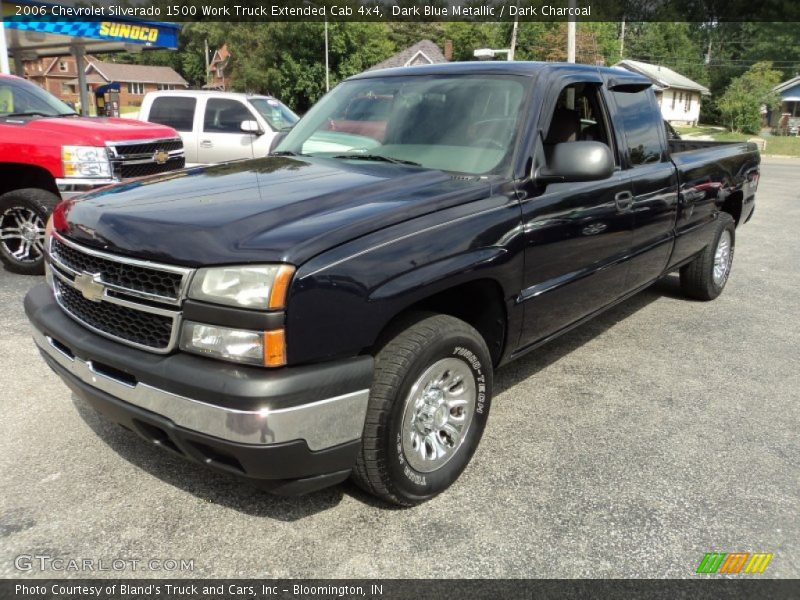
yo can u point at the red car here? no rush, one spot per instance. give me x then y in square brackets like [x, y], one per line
[48, 152]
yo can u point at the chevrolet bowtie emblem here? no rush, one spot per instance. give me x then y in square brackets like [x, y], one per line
[161, 157]
[90, 286]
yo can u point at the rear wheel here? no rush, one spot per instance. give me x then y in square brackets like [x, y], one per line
[427, 409]
[23, 215]
[705, 277]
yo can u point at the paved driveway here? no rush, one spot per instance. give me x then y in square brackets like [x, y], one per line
[628, 448]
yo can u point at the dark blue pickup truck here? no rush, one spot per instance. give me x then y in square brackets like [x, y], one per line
[337, 309]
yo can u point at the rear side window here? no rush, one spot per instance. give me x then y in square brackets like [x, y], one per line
[176, 112]
[642, 124]
[225, 116]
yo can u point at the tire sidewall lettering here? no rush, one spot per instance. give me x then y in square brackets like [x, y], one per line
[460, 350]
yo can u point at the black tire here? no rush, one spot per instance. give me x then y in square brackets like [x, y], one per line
[421, 343]
[28, 201]
[697, 277]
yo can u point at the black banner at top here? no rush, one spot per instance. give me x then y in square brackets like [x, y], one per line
[705, 11]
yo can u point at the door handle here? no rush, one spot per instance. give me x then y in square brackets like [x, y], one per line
[206, 144]
[623, 200]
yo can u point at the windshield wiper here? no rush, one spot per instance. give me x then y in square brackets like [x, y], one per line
[287, 153]
[37, 113]
[30, 113]
[389, 159]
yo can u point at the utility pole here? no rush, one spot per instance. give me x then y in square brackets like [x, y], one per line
[571, 34]
[327, 67]
[513, 46]
[622, 40]
[4, 67]
[205, 55]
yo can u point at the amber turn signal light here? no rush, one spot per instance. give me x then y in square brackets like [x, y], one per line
[275, 348]
[277, 296]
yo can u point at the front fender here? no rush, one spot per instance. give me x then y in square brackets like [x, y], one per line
[341, 301]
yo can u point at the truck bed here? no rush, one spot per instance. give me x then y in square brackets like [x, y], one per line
[678, 146]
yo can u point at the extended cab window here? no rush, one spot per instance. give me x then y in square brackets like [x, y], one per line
[225, 116]
[174, 111]
[642, 123]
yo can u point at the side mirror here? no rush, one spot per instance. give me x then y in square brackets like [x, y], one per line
[577, 161]
[251, 127]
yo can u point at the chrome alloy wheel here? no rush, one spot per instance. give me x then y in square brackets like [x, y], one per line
[438, 413]
[722, 258]
[22, 234]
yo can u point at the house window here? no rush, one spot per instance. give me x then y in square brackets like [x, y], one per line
[162, 87]
[219, 71]
[674, 99]
[62, 66]
[67, 89]
[135, 88]
[688, 103]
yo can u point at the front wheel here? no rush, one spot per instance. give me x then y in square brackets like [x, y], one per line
[427, 410]
[23, 214]
[705, 277]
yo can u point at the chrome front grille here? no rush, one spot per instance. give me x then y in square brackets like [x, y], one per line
[153, 284]
[131, 301]
[138, 158]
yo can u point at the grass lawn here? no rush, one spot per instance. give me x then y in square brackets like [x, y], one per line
[783, 145]
[777, 145]
[699, 130]
[128, 111]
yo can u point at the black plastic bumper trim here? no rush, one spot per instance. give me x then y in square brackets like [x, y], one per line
[215, 382]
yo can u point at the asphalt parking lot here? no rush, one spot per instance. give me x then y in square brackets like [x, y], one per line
[630, 447]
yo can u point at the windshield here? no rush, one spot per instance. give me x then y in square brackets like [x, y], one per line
[19, 98]
[276, 113]
[461, 123]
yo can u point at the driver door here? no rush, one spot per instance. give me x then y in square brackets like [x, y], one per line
[221, 138]
[577, 235]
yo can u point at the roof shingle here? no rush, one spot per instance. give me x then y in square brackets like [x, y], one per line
[426, 50]
[662, 77]
[121, 72]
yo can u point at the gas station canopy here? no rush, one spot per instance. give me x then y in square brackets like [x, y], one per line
[36, 29]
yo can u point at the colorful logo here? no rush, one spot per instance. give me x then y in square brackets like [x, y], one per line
[735, 562]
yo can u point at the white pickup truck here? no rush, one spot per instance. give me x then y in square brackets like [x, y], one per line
[218, 126]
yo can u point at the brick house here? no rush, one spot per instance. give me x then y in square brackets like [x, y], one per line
[58, 75]
[218, 75]
[134, 80]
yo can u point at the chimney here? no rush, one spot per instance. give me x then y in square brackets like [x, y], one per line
[448, 50]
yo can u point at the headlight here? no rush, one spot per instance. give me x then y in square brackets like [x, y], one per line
[259, 286]
[256, 347]
[85, 161]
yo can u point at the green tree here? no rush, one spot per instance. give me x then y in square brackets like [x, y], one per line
[740, 105]
[288, 59]
[469, 36]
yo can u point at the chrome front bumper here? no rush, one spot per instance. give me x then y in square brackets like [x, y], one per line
[321, 424]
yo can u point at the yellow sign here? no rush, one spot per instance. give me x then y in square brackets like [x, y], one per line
[139, 33]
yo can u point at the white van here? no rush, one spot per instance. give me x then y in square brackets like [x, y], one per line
[218, 126]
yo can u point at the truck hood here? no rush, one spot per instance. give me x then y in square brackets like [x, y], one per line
[96, 132]
[274, 209]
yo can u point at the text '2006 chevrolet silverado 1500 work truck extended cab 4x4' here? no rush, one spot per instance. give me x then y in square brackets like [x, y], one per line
[48, 152]
[337, 309]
